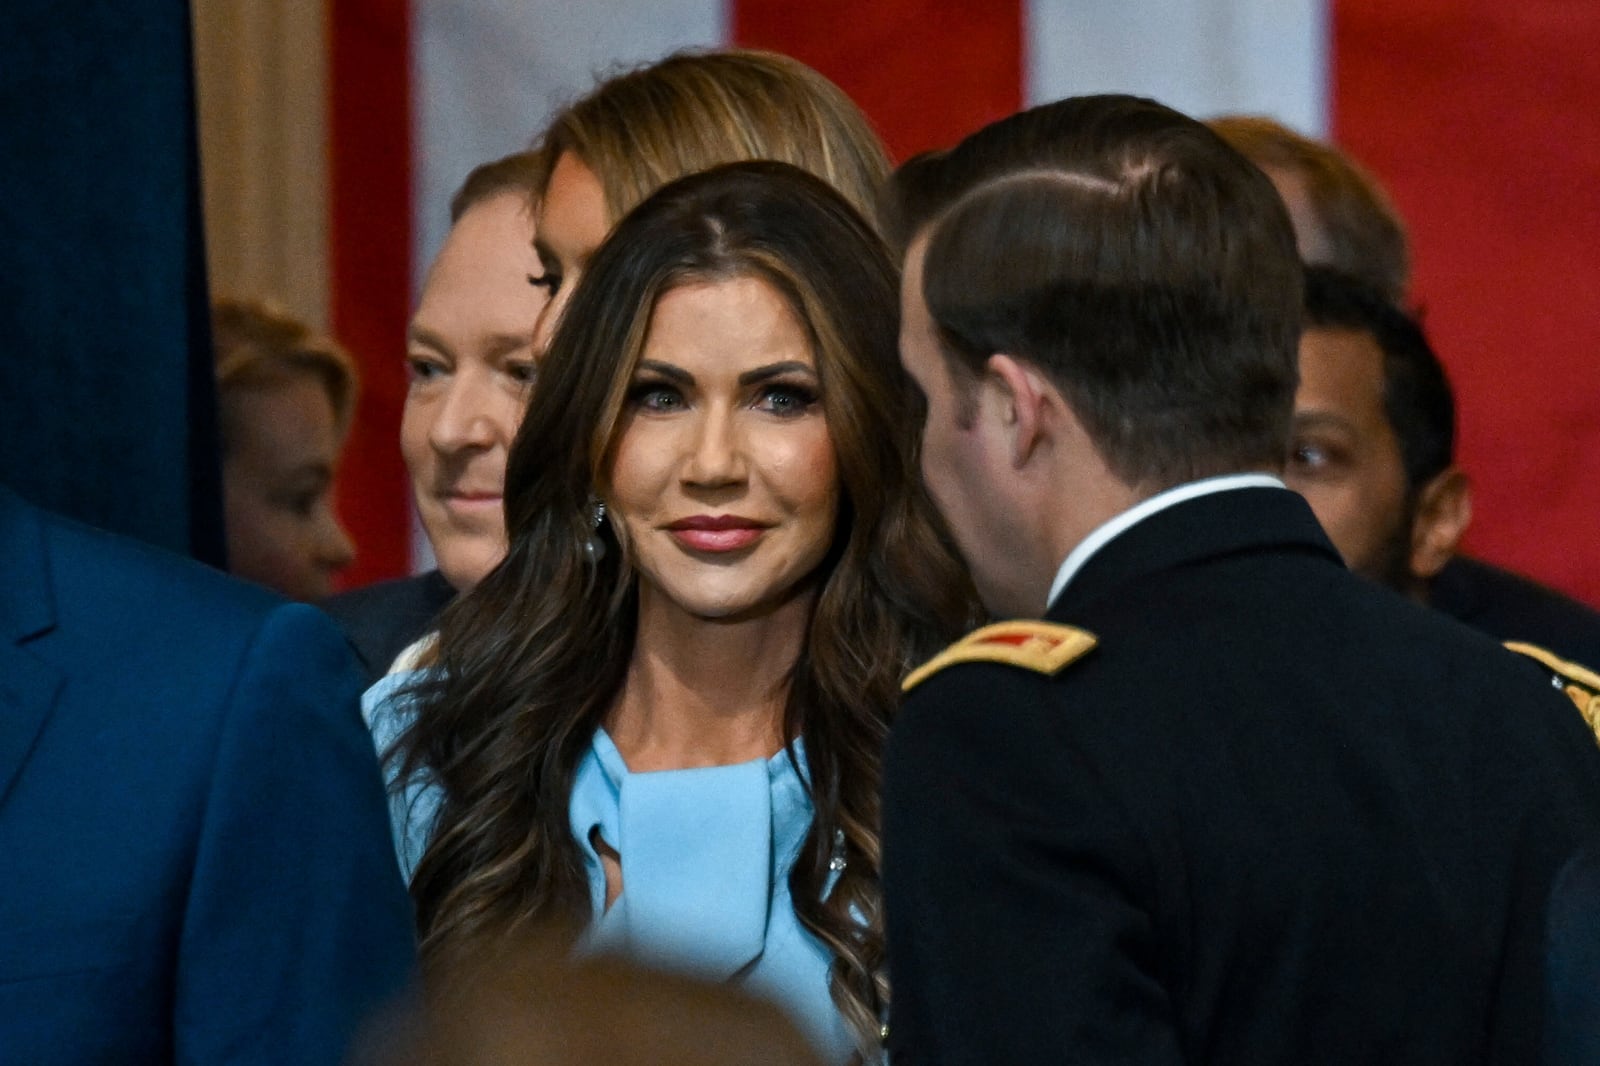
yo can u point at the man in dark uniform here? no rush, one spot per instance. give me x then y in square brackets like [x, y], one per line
[1227, 802]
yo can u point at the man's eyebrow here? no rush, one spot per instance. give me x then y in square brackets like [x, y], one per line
[416, 334]
[1316, 418]
[500, 344]
[495, 346]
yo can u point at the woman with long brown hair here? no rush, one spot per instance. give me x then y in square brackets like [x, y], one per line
[657, 726]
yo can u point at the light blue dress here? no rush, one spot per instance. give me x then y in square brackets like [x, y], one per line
[706, 855]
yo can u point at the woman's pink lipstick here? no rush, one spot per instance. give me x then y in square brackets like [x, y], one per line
[716, 533]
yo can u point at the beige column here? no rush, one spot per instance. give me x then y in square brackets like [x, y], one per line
[261, 72]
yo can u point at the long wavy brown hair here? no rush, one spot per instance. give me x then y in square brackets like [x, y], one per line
[529, 663]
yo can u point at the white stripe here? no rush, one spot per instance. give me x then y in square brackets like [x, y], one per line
[1203, 57]
[487, 74]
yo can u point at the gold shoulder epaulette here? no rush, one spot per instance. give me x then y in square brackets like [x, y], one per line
[1581, 684]
[1042, 647]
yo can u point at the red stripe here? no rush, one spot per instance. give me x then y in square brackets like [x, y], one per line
[927, 72]
[1479, 116]
[370, 265]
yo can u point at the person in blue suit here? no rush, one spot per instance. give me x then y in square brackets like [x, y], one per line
[196, 866]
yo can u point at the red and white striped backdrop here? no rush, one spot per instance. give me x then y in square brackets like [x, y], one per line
[1473, 112]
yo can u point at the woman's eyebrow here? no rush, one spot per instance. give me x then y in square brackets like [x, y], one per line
[667, 370]
[776, 370]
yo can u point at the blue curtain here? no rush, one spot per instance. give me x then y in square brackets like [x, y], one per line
[107, 402]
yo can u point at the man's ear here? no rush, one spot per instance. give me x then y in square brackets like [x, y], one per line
[1442, 514]
[1022, 398]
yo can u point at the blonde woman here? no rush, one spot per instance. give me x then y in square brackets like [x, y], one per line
[689, 112]
[286, 394]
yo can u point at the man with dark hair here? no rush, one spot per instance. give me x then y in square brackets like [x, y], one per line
[1227, 802]
[1374, 436]
[1373, 452]
[1344, 220]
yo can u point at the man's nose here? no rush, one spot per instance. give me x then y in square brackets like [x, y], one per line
[463, 420]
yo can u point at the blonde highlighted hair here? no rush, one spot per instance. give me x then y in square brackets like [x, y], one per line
[259, 345]
[693, 111]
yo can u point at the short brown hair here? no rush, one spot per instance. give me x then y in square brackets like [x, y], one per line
[257, 344]
[521, 172]
[913, 194]
[1364, 235]
[1146, 267]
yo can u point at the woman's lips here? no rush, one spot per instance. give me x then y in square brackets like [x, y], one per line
[716, 533]
[718, 540]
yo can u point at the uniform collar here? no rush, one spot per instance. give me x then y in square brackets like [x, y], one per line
[1107, 531]
[1193, 527]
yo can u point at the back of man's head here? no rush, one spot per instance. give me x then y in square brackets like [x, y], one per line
[1342, 216]
[1417, 399]
[1146, 267]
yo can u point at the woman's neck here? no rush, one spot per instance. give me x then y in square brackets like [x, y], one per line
[706, 692]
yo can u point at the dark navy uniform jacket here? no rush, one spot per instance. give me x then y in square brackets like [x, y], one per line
[194, 851]
[384, 619]
[1508, 606]
[1276, 814]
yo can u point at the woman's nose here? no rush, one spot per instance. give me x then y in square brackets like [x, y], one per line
[717, 457]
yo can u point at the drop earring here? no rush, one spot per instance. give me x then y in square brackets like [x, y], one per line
[594, 549]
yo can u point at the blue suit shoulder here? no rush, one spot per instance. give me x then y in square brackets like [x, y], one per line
[93, 568]
[199, 862]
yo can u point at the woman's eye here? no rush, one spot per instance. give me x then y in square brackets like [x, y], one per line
[786, 399]
[656, 397]
[523, 371]
[550, 281]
